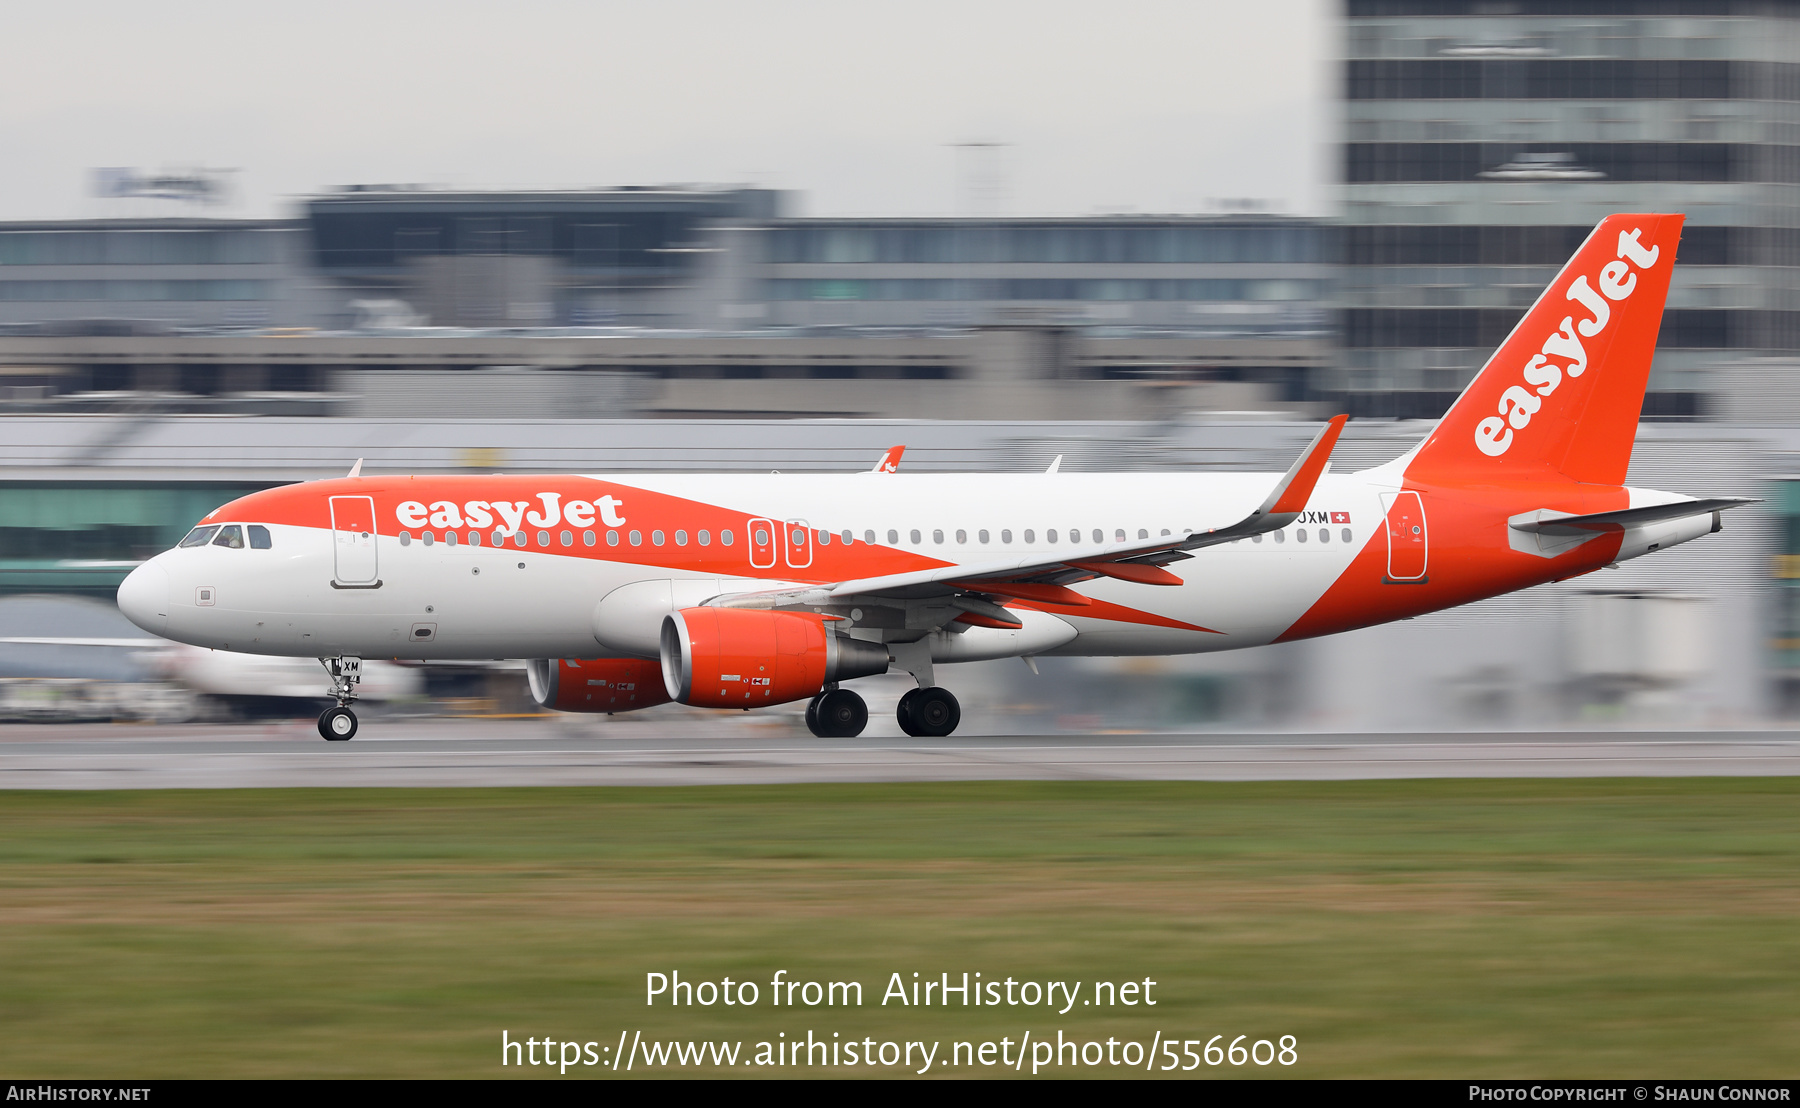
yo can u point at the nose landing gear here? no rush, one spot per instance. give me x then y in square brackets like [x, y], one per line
[928, 713]
[837, 714]
[338, 724]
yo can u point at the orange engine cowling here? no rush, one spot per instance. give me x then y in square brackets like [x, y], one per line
[745, 658]
[596, 684]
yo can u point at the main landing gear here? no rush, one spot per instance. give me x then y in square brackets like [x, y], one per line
[928, 713]
[837, 714]
[338, 723]
[923, 713]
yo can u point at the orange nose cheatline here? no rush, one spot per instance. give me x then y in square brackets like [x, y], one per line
[144, 597]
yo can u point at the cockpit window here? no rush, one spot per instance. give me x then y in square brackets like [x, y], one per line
[230, 536]
[259, 536]
[199, 536]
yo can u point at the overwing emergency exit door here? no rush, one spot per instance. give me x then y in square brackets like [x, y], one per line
[761, 533]
[353, 541]
[1408, 539]
[799, 543]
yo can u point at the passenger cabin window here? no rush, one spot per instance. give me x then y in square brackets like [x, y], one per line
[259, 537]
[231, 537]
[199, 536]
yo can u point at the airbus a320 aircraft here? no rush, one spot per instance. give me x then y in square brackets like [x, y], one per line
[742, 591]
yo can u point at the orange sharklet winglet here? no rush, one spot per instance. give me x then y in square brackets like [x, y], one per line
[1297, 486]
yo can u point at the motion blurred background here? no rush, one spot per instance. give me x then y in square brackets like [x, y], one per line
[1172, 239]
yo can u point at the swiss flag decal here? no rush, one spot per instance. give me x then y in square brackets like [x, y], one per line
[1340, 517]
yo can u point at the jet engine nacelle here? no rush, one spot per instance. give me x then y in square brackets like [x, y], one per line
[595, 684]
[743, 658]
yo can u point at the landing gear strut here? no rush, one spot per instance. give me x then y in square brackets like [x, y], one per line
[338, 723]
[837, 714]
[928, 713]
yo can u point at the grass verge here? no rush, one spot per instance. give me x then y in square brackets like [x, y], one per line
[1422, 928]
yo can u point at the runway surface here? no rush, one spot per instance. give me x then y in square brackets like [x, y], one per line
[533, 752]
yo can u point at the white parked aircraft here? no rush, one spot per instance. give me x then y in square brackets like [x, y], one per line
[741, 591]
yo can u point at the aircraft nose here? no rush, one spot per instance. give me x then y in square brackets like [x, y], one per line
[144, 597]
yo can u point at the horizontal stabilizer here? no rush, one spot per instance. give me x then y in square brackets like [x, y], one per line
[1547, 522]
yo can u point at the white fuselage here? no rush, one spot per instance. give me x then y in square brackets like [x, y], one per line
[539, 600]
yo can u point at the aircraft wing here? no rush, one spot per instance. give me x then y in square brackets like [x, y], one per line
[1043, 576]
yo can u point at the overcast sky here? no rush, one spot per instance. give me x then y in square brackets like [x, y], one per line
[1105, 106]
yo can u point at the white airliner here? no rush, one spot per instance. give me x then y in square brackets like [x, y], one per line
[742, 591]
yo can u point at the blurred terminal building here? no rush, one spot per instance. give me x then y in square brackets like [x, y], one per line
[150, 368]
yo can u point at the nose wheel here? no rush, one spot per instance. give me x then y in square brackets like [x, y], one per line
[928, 713]
[838, 714]
[337, 724]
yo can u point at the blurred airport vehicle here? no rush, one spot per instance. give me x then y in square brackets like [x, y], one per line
[1521, 483]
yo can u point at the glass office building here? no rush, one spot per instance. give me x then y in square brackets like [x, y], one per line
[199, 272]
[1483, 140]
